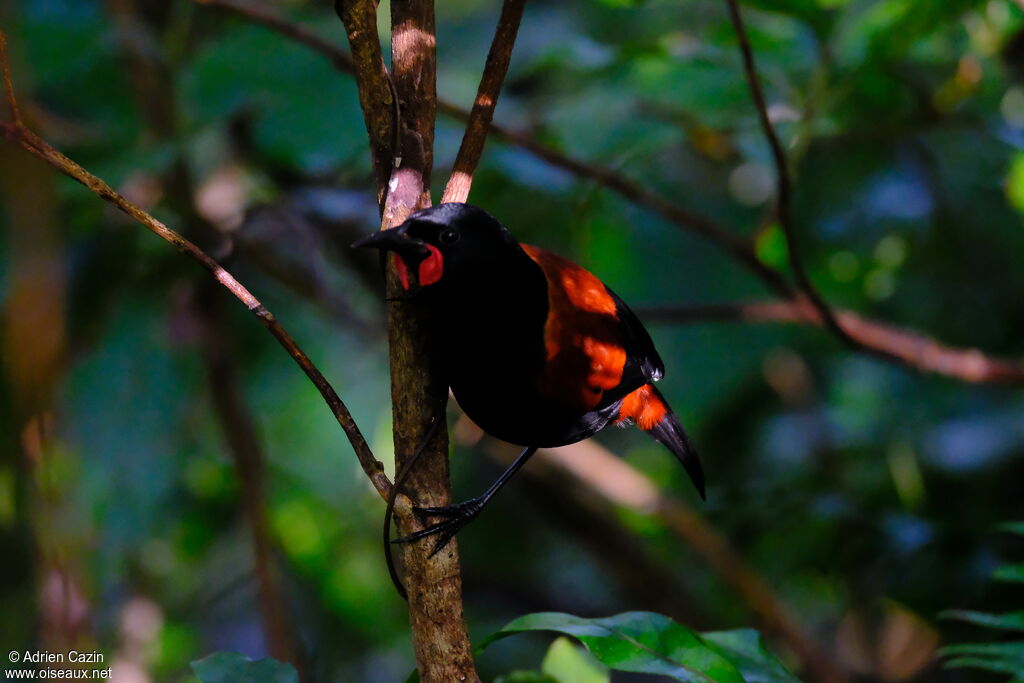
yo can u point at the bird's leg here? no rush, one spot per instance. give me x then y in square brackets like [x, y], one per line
[459, 515]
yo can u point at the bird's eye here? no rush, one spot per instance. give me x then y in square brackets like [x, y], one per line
[449, 236]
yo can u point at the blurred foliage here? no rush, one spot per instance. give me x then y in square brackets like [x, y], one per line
[863, 493]
[645, 642]
[1001, 657]
[231, 667]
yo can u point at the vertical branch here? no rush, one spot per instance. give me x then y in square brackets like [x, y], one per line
[418, 392]
[375, 93]
[413, 66]
[480, 116]
[12, 102]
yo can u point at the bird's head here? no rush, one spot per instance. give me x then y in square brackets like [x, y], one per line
[441, 242]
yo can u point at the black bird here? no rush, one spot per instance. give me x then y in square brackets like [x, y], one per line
[537, 351]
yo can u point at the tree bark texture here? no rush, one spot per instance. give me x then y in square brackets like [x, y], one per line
[418, 391]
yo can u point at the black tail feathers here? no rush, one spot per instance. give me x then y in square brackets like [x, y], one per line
[670, 433]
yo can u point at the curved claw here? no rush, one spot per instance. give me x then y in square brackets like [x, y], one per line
[458, 516]
[429, 531]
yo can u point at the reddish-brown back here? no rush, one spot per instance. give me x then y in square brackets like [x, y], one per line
[582, 337]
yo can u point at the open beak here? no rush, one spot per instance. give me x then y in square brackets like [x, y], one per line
[410, 249]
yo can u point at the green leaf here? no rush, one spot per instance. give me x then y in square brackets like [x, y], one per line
[232, 667]
[1014, 650]
[994, 665]
[1013, 621]
[1015, 183]
[1012, 573]
[640, 642]
[568, 663]
[1009, 657]
[746, 650]
[998, 657]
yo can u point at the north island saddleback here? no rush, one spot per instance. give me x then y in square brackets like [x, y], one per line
[537, 351]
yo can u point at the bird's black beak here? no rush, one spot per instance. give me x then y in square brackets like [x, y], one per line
[410, 249]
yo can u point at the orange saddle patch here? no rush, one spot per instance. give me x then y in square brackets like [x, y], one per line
[582, 336]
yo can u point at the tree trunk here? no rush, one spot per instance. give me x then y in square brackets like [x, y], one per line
[418, 392]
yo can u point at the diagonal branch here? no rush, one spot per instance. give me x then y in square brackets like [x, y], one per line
[784, 190]
[910, 348]
[265, 16]
[19, 134]
[480, 116]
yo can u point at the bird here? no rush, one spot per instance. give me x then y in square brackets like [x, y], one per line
[536, 350]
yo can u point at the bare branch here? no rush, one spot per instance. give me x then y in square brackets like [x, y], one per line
[418, 393]
[414, 79]
[12, 101]
[911, 348]
[475, 137]
[785, 185]
[418, 389]
[375, 88]
[32, 143]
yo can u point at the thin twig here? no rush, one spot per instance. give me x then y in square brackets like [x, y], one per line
[12, 102]
[38, 147]
[910, 348]
[265, 16]
[480, 116]
[784, 181]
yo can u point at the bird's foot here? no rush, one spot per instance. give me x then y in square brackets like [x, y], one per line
[456, 516]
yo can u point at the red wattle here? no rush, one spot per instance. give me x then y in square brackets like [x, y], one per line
[432, 267]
